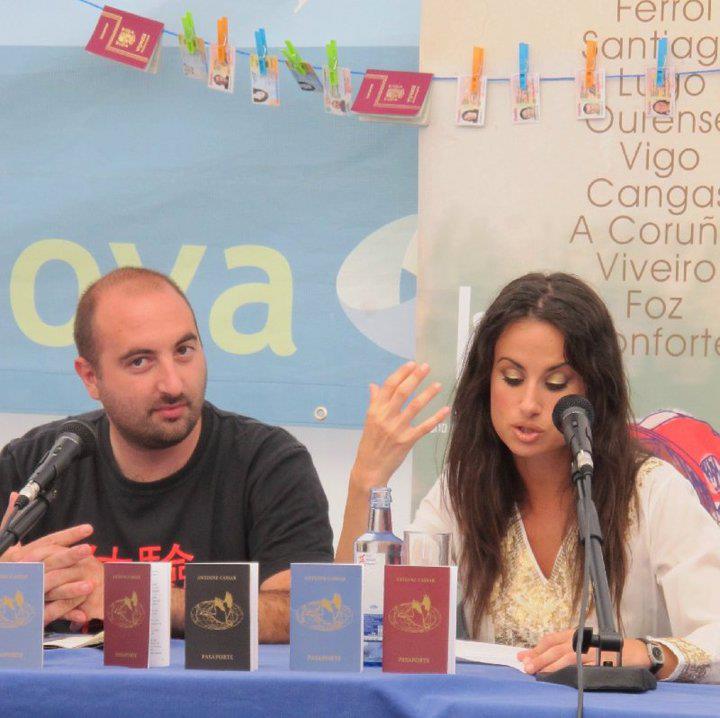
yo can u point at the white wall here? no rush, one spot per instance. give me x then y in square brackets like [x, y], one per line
[333, 451]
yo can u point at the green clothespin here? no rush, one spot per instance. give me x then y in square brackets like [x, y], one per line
[190, 36]
[294, 59]
[332, 57]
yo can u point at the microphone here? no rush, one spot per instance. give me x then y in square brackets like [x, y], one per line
[75, 439]
[573, 416]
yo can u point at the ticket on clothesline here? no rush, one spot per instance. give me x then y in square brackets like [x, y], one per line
[470, 102]
[307, 81]
[194, 64]
[264, 88]
[660, 97]
[590, 98]
[525, 100]
[221, 72]
[337, 98]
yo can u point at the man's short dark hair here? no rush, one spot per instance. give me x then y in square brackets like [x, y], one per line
[141, 278]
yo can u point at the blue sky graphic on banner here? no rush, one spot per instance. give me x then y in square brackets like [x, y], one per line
[253, 210]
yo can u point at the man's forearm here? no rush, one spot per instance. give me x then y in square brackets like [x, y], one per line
[274, 616]
[177, 611]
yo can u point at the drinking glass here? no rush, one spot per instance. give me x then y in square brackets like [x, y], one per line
[426, 549]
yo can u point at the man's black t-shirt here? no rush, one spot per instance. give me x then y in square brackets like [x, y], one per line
[249, 492]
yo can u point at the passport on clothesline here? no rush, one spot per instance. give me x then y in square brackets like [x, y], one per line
[393, 96]
[137, 614]
[221, 616]
[130, 39]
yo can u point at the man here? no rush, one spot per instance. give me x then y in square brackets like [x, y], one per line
[174, 478]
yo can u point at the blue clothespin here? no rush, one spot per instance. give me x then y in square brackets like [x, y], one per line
[661, 59]
[524, 62]
[261, 48]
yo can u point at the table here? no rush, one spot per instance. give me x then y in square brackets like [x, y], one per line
[75, 683]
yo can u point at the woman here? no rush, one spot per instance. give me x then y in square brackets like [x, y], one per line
[507, 499]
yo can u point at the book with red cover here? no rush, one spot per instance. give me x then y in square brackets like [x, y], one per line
[388, 92]
[137, 614]
[124, 37]
[419, 619]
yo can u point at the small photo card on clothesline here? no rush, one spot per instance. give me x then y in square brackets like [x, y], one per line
[307, 81]
[660, 97]
[194, 64]
[221, 72]
[590, 98]
[264, 88]
[525, 101]
[470, 102]
[337, 98]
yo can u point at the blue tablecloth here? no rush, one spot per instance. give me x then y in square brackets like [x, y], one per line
[75, 683]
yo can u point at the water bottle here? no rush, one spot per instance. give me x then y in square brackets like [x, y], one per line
[377, 548]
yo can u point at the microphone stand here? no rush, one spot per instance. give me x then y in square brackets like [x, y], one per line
[21, 522]
[603, 676]
[76, 439]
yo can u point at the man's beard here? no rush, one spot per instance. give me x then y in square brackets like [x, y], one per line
[149, 435]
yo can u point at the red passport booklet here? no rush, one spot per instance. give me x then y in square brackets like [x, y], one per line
[419, 619]
[137, 614]
[386, 92]
[124, 37]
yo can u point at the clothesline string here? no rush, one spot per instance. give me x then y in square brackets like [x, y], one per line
[545, 78]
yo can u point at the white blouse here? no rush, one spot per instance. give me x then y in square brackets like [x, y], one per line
[672, 588]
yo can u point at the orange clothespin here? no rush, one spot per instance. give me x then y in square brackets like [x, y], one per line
[477, 68]
[590, 60]
[222, 39]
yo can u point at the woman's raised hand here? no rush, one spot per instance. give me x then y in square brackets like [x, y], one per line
[388, 434]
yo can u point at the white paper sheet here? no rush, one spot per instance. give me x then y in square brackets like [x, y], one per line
[478, 652]
[72, 640]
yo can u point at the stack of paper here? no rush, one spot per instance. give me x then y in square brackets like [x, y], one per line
[494, 653]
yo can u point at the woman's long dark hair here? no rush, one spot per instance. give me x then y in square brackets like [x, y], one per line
[483, 483]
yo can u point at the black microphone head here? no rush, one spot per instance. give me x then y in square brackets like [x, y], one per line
[569, 402]
[84, 433]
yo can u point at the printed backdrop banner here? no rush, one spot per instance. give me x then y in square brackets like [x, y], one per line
[288, 228]
[627, 203]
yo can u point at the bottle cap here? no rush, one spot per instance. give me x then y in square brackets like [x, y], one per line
[381, 498]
